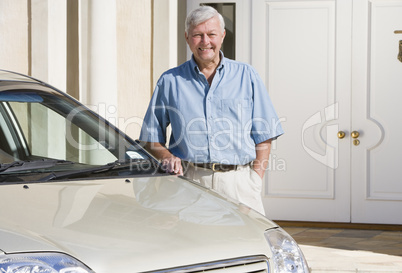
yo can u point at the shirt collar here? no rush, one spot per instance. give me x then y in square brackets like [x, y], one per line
[195, 66]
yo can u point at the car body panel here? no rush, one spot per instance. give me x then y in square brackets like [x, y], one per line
[144, 223]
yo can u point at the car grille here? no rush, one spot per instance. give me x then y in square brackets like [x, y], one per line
[255, 264]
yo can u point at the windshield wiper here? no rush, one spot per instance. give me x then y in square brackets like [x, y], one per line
[20, 165]
[118, 164]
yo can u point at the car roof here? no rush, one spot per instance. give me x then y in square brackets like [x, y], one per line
[13, 76]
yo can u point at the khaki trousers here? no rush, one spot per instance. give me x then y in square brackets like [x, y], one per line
[242, 184]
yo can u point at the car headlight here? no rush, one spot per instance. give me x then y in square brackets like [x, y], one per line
[41, 263]
[286, 254]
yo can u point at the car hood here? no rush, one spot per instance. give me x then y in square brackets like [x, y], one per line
[133, 224]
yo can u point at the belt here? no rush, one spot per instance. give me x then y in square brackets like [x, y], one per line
[216, 167]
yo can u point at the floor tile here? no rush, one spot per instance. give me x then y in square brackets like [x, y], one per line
[386, 242]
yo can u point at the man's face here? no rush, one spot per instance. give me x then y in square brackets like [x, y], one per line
[205, 41]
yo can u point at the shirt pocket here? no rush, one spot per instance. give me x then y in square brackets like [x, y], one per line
[236, 106]
[236, 114]
[233, 127]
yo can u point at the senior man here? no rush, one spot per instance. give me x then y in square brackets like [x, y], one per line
[221, 117]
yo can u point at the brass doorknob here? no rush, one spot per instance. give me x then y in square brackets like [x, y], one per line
[341, 134]
[355, 134]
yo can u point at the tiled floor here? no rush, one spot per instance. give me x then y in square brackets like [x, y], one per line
[349, 249]
[375, 240]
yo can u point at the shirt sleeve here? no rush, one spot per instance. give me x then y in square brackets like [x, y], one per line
[156, 118]
[265, 122]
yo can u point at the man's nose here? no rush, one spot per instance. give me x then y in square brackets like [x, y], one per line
[205, 38]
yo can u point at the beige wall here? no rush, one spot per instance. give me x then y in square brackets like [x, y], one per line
[103, 52]
[14, 38]
[181, 42]
[133, 62]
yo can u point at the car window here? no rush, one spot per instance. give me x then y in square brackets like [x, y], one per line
[46, 125]
[51, 135]
[8, 138]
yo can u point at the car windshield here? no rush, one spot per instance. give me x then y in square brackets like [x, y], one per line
[44, 132]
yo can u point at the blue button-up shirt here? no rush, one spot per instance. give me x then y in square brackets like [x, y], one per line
[218, 123]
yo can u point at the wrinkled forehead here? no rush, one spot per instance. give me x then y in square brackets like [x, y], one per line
[211, 24]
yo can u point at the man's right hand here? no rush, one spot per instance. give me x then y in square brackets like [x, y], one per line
[170, 163]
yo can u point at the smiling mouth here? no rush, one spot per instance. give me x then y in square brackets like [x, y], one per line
[205, 49]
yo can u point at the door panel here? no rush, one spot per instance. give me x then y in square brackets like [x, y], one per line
[303, 45]
[300, 57]
[376, 174]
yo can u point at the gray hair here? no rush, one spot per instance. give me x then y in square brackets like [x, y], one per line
[202, 14]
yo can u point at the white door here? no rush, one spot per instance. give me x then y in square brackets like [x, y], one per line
[302, 49]
[377, 112]
[306, 58]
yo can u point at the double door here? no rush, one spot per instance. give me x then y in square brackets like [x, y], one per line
[332, 70]
[333, 74]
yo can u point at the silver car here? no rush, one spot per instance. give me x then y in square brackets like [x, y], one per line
[78, 195]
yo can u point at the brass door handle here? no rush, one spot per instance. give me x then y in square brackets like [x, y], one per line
[355, 134]
[341, 134]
